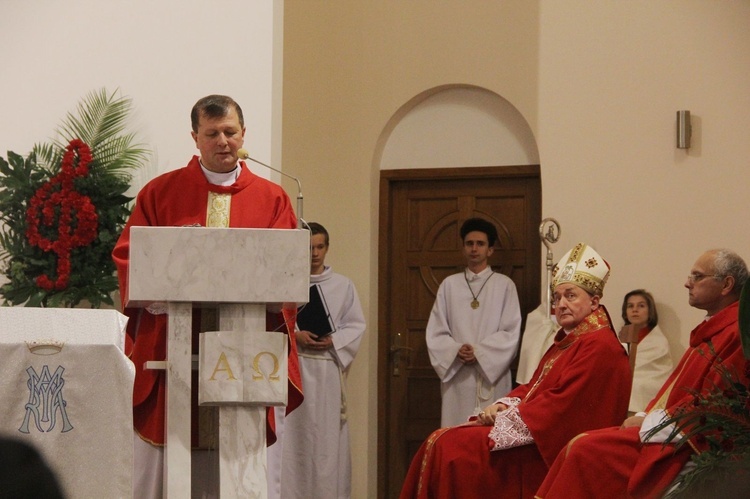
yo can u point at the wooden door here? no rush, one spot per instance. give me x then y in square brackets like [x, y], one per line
[421, 212]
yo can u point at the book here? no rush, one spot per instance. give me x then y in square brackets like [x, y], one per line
[315, 316]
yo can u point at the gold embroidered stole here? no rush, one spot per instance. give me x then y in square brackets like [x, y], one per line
[217, 211]
[661, 404]
[217, 215]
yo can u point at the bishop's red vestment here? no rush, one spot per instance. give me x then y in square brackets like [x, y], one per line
[179, 198]
[583, 381]
[613, 462]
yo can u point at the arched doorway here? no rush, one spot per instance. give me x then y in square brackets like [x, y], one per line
[442, 164]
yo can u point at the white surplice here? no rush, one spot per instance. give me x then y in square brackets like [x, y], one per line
[316, 459]
[492, 329]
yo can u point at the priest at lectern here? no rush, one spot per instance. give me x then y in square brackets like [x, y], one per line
[214, 189]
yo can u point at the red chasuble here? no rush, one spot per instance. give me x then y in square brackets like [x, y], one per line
[582, 382]
[179, 198]
[612, 462]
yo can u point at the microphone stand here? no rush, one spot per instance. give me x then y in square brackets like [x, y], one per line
[300, 221]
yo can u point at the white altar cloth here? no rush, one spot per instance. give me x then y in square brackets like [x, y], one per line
[67, 389]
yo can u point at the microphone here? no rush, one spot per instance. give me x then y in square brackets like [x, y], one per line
[243, 154]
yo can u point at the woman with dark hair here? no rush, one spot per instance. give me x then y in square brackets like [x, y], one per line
[653, 362]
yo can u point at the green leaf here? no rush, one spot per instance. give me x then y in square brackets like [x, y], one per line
[36, 299]
[4, 167]
[48, 154]
[16, 160]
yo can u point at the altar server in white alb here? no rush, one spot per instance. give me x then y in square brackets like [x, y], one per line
[316, 460]
[474, 328]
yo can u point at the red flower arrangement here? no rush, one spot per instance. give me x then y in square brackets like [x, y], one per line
[63, 206]
[59, 197]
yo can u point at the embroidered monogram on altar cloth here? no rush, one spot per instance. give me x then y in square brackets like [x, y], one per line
[67, 389]
[46, 402]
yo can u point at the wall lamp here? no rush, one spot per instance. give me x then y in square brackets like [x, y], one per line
[684, 129]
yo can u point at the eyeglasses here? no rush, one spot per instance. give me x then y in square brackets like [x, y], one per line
[695, 277]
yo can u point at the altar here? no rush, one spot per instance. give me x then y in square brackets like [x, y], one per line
[66, 388]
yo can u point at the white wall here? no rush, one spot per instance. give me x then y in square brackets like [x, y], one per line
[457, 126]
[613, 74]
[164, 55]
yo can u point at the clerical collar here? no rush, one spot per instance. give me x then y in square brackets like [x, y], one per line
[325, 268]
[471, 276]
[223, 179]
[323, 276]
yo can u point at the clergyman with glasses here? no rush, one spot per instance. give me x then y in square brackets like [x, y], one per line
[627, 461]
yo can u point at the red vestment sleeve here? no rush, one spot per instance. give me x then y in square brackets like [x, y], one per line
[286, 321]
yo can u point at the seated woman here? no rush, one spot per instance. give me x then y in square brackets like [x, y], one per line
[582, 382]
[653, 362]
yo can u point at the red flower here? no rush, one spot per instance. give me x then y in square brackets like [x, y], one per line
[63, 201]
[43, 282]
